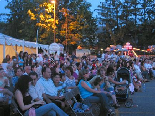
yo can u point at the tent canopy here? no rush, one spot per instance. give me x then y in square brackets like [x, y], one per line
[11, 46]
[7, 40]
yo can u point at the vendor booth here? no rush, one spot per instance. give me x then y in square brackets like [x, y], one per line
[56, 47]
[12, 46]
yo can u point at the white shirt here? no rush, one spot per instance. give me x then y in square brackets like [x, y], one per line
[56, 57]
[153, 65]
[137, 68]
[25, 73]
[147, 66]
[103, 55]
[36, 91]
[38, 71]
[49, 86]
[77, 72]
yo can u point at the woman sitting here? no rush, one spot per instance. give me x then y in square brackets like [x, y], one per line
[92, 95]
[18, 73]
[70, 80]
[24, 100]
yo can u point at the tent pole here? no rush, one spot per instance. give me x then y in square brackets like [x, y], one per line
[16, 51]
[4, 48]
[37, 43]
[23, 45]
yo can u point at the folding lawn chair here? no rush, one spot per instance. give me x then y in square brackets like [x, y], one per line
[75, 96]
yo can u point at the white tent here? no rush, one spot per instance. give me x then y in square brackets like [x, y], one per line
[12, 46]
[56, 47]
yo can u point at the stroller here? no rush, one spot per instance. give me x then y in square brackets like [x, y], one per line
[122, 95]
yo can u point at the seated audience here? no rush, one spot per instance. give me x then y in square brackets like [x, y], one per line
[27, 70]
[18, 72]
[136, 82]
[70, 80]
[4, 81]
[92, 95]
[25, 103]
[48, 83]
[37, 91]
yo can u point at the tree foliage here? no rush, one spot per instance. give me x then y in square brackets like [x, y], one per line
[74, 21]
[128, 20]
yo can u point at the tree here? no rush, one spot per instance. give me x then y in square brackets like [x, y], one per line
[77, 24]
[18, 24]
[128, 21]
[43, 16]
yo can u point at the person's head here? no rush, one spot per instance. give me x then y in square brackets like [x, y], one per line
[74, 67]
[34, 77]
[79, 65]
[62, 76]
[46, 72]
[9, 67]
[8, 57]
[18, 71]
[21, 54]
[56, 78]
[57, 65]
[2, 73]
[84, 74]
[33, 67]
[127, 64]
[146, 60]
[102, 71]
[97, 81]
[29, 56]
[14, 58]
[69, 71]
[134, 74]
[23, 84]
[110, 71]
[27, 69]
[25, 55]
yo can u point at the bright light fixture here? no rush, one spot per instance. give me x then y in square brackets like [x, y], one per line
[52, 1]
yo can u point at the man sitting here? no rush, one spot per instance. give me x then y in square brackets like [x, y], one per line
[49, 87]
[37, 91]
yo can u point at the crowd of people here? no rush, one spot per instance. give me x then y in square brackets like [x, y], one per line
[41, 81]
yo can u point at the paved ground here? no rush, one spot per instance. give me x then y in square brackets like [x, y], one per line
[143, 103]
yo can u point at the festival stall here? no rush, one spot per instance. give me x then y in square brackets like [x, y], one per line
[12, 46]
[80, 51]
[56, 47]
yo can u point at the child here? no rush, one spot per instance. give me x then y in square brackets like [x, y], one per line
[94, 71]
[110, 90]
[136, 82]
[97, 83]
